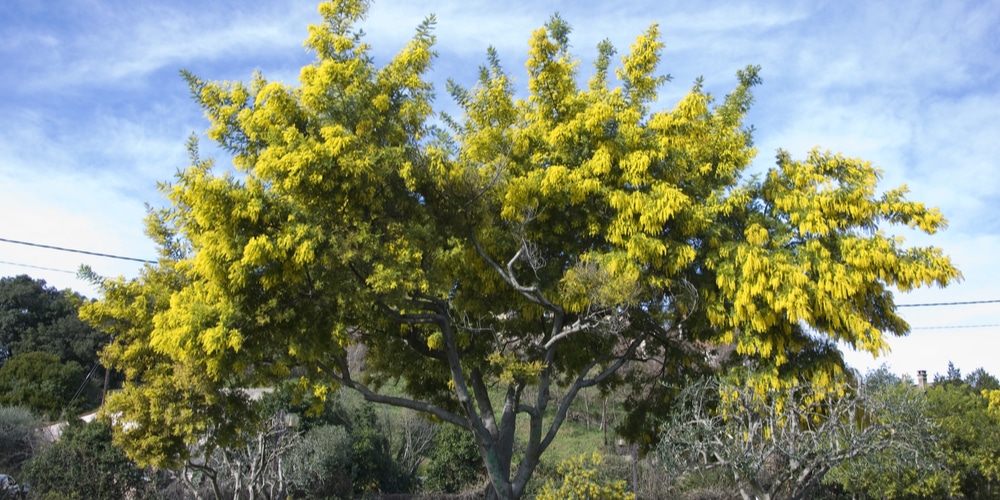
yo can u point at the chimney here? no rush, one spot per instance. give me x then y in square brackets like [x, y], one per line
[922, 379]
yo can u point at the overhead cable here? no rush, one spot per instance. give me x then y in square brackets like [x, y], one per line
[37, 267]
[73, 250]
[950, 303]
[954, 327]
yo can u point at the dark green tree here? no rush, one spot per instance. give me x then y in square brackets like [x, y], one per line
[321, 465]
[36, 317]
[41, 382]
[454, 462]
[84, 464]
[18, 437]
[981, 380]
[374, 469]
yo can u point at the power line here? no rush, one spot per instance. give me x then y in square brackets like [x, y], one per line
[935, 304]
[954, 327]
[37, 267]
[73, 250]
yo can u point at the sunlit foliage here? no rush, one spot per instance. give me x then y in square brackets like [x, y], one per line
[551, 239]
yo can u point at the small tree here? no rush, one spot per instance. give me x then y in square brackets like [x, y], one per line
[454, 461]
[84, 464]
[781, 443]
[41, 382]
[251, 464]
[320, 465]
[18, 437]
[374, 465]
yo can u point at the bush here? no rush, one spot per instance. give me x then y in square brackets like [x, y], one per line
[375, 468]
[582, 480]
[320, 466]
[454, 462]
[40, 382]
[17, 438]
[346, 450]
[84, 464]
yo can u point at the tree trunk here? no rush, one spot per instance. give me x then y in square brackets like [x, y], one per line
[491, 493]
[604, 420]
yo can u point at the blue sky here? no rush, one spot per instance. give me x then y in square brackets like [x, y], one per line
[94, 112]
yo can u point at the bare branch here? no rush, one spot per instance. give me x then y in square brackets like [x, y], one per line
[582, 382]
[532, 293]
[342, 376]
[577, 326]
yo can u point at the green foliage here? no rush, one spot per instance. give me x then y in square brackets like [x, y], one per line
[970, 438]
[534, 241]
[373, 467]
[912, 470]
[980, 380]
[963, 462]
[454, 463]
[18, 438]
[84, 464]
[36, 317]
[320, 466]
[347, 447]
[40, 324]
[40, 382]
[581, 480]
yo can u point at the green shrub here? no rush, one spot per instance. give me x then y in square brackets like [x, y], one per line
[84, 464]
[454, 462]
[40, 382]
[17, 437]
[320, 466]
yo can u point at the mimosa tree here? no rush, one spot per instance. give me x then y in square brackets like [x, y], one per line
[573, 237]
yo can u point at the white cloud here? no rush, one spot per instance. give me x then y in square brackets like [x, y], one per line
[122, 43]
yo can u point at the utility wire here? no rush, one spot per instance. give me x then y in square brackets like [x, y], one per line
[61, 249]
[82, 386]
[37, 267]
[935, 304]
[954, 327]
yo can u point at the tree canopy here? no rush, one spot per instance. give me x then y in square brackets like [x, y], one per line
[41, 382]
[84, 464]
[37, 317]
[578, 236]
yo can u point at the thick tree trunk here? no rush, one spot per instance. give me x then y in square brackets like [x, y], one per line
[498, 469]
[491, 493]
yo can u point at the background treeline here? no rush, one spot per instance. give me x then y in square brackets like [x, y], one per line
[882, 436]
[351, 449]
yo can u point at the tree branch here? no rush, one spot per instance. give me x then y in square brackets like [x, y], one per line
[344, 379]
[583, 382]
[532, 293]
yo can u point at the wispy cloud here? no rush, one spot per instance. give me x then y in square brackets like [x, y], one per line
[120, 43]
